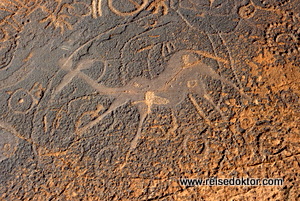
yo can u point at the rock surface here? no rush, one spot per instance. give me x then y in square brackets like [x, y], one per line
[119, 99]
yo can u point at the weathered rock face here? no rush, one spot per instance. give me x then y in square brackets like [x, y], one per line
[118, 100]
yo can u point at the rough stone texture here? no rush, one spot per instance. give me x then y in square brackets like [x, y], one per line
[117, 100]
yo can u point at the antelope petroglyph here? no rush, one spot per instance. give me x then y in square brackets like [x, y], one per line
[181, 78]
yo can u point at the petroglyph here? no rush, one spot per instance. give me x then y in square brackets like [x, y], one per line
[22, 100]
[57, 17]
[167, 48]
[58, 13]
[159, 6]
[7, 50]
[96, 8]
[210, 16]
[17, 14]
[139, 8]
[117, 99]
[181, 77]
[247, 11]
[282, 38]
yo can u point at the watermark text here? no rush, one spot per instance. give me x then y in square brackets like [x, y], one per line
[215, 181]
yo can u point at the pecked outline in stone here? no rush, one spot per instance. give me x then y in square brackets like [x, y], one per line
[181, 78]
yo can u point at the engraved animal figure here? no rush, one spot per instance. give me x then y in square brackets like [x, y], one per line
[181, 78]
